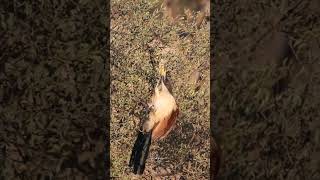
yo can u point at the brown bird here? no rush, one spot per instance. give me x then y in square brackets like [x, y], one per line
[162, 117]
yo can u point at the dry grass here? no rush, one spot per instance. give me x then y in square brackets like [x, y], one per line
[140, 38]
[266, 135]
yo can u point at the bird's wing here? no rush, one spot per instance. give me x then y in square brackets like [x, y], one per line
[164, 126]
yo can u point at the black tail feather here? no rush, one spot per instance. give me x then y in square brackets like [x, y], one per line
[140, 152]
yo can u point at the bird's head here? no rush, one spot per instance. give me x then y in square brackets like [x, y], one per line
[163, 83]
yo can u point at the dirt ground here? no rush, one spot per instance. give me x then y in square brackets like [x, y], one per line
[52, 90]
[267, 132]
[140, 38]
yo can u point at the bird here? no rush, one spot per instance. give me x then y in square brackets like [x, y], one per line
[163, 113]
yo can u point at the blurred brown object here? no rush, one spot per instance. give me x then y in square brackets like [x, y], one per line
[276, 50]
[176, 8]
[277, 53]
[215, 158]
[195, 77]
[194, 80]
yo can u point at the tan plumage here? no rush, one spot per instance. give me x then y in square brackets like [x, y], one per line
[162, 118]
[164, 113]
[165, 126]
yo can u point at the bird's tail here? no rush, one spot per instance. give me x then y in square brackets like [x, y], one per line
[140, 152]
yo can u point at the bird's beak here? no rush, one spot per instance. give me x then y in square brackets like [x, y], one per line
[162, 73]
